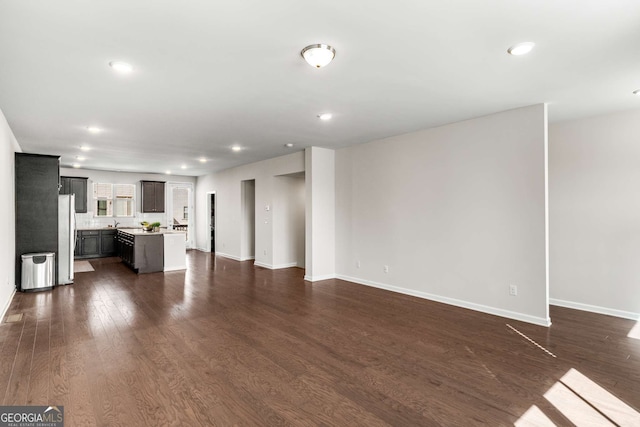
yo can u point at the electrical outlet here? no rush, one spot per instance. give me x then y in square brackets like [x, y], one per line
[357, 264]
[513, 290]
[386, 268]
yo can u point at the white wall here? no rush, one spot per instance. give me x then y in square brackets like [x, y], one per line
[227, 186]
[594, 173]
[320, 223]
[96, 176]
[8, 147]
[457, 213]
[289, 222]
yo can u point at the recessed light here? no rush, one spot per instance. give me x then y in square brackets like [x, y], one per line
[80, 158]
[85, 148]
[288, 145]
[636, 92]
[168, 172]
[236, 148]
[94, 129]
[121, 67]
[183, 167]
[521, 48]
[202, 160]
[325, 116]
[75, 165]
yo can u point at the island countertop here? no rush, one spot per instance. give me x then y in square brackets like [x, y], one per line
[141, 232]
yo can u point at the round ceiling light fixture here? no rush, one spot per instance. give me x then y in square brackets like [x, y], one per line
[236, 148]
[521, 48]
[288, 145]
[325, 116]
[93, 129]
[318, 55]
[121, 67]
[203, 160]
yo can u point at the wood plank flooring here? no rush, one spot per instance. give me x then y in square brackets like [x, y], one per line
[226, 343]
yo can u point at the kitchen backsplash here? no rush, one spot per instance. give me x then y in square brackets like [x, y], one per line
[87, 220]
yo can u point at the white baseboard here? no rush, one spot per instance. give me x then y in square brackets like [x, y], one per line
[223, 255]
[275, 267]
[287, 265]
[318, 278]
[249, 258]
[595, 309]
[201, 249]
[7, 305]
[452, 301]
[263, 265]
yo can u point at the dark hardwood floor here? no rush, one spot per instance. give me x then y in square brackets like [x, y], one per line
[229, 344]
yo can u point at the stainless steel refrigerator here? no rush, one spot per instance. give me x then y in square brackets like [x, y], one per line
[66, 237]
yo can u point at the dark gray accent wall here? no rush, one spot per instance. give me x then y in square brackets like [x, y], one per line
[37, 179]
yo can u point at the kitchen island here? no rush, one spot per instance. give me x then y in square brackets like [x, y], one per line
[149, 252]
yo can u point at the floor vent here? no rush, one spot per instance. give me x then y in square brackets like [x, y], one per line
[13, 318]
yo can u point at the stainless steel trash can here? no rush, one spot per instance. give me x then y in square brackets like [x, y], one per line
[37, 271]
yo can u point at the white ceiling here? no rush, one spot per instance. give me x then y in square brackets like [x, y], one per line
[212, 74]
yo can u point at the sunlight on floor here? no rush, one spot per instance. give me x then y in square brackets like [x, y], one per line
[534, 417]
[584, 403]
[635, 331]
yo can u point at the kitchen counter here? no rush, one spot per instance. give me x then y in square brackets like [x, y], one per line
[131, 230]
[104, 228]
[140, 231]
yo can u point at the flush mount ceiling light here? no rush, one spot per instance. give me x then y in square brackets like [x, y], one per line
[85, 148]
[80, 158]
[168, 172]
[75, 165]
[93, 129]
[183, 167]
[202, 160]
[318, 55]
[521, 48]
[121, 67]
[288, 145]
[236, 148]
[325, 116]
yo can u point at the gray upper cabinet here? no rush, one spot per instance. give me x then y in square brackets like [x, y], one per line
[78, 186]
[152, 196]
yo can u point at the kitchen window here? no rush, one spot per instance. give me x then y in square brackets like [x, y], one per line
[114, 200]
[124, 199]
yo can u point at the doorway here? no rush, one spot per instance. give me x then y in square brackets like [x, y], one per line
[211, 214]
[248, 230]
[180, 209]
[289, 223]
